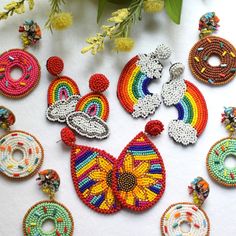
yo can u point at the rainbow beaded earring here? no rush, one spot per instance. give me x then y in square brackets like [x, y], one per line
[14, 142]
[49, 210]
[209, 46]
[221, 150]
[192, 215]
[92, 110]
[63, 92]
[138, 73]
[191, 106]
[20, 59]
[136, 180]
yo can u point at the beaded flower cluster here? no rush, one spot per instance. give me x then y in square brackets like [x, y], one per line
[7, 118]
[229, 119]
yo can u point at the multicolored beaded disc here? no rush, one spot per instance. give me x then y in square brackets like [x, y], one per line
[216, 162]
[206, 48]
[178, 214]
[45, 211]
[28, 64]
[139, 174]
[28, 146]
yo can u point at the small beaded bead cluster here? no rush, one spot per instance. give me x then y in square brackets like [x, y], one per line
[32, 152]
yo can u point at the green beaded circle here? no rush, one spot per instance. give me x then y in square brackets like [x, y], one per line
[48, 211]
[216, 162]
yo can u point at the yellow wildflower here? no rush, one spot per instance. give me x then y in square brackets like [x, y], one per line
[31, 4]
[20, 9]
[153, 6]
[119, 16]
[108, 30]
[61, 21]
[3, 16]
[123, 44]
[10, 6]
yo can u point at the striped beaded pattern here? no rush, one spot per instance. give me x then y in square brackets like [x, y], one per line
[203, 50]
[32, 152]
[44, 211]
[94, 104]
[133, 88]
[61, 88]
[17, 58]
[91, 171]
[215, 162]
[180, 213]
[139, 174]
[192, 108]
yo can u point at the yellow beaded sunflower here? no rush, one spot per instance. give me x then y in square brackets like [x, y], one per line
[134, 182]
[103, 177]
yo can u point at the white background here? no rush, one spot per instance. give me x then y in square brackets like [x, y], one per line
[182, 164]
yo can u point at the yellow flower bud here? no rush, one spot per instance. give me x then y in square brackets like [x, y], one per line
[123, 44]
[61, 21]
[153, 6]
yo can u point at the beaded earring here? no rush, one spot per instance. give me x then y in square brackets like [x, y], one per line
[49, 210]
[63, 92]
[32, 154]
[188, 214]
[20, 59]
[138, 73]
[136, 180]
[92, 110]
[221, 150]
[209, 46]
[191, 106]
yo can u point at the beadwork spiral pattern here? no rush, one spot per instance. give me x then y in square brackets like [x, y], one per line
[32, 155]
[17, 58]
[44, 211]
[139, 174]
[215, 162]
[180, 213]
[203, 50]
[132, 89]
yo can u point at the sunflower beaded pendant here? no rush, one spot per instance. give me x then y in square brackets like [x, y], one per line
[48, 211]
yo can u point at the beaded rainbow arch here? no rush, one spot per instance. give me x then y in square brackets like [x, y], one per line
[138, 73]
[190, 104]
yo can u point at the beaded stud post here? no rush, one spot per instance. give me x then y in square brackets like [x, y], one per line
[18, 166]
[22, 60]
[138, 73]
[48, 211]
[209, 46]
[221, 150]
[63, 92]
[191, 106]
[136, 180]
[182, 214]
[92, 110]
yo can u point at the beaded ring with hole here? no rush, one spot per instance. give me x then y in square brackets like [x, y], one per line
[49, 210]
[28, 146]
[191, 106]
[63, 92]
[212, 46]
[92, 111]
[138, 73]
[186, 218]
[185, 213]
[223, 149]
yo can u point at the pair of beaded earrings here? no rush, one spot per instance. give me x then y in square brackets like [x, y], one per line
[86, 115]
[209, 46]
[12, 165]
[135, 97]
[188, 214]
[20, 59]
[48, 210]
[136, 180]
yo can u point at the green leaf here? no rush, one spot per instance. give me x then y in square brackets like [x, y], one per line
[101, 7]
[173, 9]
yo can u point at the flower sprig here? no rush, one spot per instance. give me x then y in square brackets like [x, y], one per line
[17, 7]
[58, 19]
[122, 20]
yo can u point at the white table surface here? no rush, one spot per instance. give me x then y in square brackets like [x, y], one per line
[182, 164]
